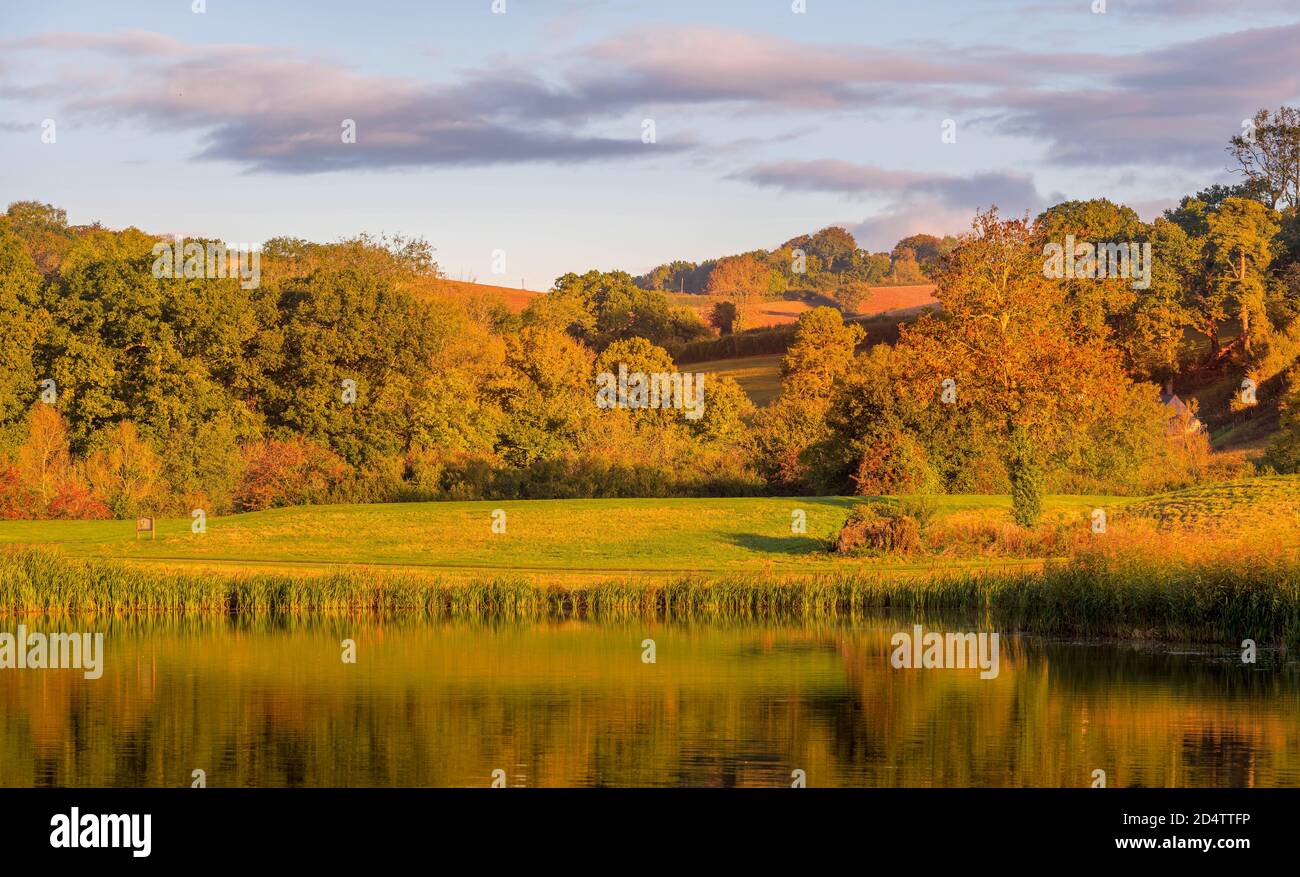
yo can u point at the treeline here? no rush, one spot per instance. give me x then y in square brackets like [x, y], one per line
[125, 392]
[828, 263]
[344, 375]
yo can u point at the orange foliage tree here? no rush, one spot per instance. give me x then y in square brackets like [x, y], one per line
[1017, 360]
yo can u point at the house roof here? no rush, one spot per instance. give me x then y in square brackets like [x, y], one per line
[1174, 404]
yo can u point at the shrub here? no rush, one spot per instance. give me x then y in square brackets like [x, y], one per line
[291, 472]
[73, 500]
[888, 531]
[922, 507]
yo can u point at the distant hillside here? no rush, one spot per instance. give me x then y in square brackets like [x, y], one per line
[783, 312]
[771, 313]
[515, 299]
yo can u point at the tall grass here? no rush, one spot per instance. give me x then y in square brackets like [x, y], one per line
[1221, 599]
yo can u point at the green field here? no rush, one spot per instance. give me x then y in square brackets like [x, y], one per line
[577, 536]
[1274, 499]
[758, 376]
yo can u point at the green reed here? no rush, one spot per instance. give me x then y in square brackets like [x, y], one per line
[1245, 597]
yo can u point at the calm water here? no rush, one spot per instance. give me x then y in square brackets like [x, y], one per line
[565, 704]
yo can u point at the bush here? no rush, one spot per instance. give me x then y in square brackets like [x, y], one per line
[888, 531]
[922, 507]
[291, 472]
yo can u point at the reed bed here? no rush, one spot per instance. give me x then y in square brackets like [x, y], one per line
[1221, 599]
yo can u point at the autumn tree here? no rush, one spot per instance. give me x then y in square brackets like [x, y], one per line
[1017, 359]
[745, 281]
[126, 473]
[546, 396]
[820, 353]
[818, 356]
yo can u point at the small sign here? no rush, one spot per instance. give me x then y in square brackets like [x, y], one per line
[143, 525]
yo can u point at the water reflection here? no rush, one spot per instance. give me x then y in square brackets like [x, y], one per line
[271, 703]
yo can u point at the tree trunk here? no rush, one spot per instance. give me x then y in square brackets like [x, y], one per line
[1245, 311]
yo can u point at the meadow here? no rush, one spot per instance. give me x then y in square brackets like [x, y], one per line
[1209, 563]
[759, 376]
[553, 537]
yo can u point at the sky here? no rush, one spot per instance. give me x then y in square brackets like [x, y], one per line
[545, 136]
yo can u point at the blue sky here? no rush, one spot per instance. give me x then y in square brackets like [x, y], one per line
[522, 131]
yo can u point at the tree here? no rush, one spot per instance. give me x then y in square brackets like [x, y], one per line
[126, 474]
[1269, 155]
[737, 275]
[19, 291]
[287, 472]
[927, 250]
[820, 352]
[1239, 246]
[642, 313]
[745, 281]
[833, 246]
[44, 466]
[904, 267]
[727, 411]
[1100, 304]
[349, 319]
[723, 317]
[602, 307]
[43, 228]
[546, 396]
[1007, 339]
[818, 356]
[1166, 310]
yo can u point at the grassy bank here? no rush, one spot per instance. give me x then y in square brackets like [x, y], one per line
[1224, 600]
[591, 537]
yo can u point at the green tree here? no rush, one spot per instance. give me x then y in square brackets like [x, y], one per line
[820, 353]
[1239, 249]
[19, 314]
[1099, 304]
[1166, 311]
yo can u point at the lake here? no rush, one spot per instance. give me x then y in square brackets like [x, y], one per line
[272, 703]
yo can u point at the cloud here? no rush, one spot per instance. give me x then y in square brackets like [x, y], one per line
[848, 178]
[1177, 105]
[1198, 8]
[272, 110]
[911, 201]
[703, 65]
[886, 228]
